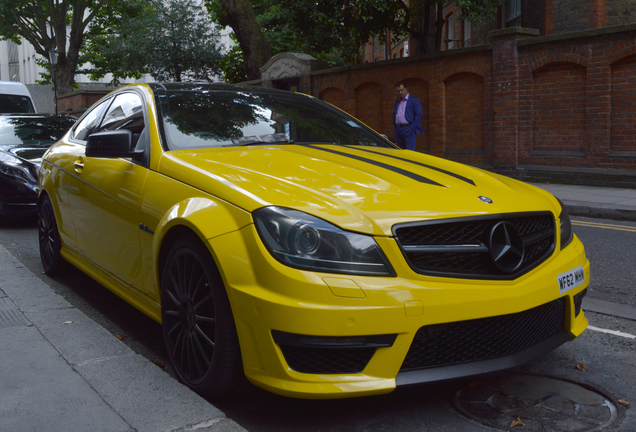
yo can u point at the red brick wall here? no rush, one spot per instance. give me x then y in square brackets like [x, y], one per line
[369, 104]
[558, 95]
[623, 94]
[464, 119]
[78, 102]
[541, 101]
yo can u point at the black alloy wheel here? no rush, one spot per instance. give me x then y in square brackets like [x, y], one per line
[49, 239]
[197, 321]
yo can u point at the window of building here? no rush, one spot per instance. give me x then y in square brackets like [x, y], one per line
[512, 13]
[468, 29]
[450, 22]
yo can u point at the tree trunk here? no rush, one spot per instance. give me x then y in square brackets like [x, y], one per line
[64, 76]
[256, 49]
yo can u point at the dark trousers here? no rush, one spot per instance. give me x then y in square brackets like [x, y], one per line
[405, 137]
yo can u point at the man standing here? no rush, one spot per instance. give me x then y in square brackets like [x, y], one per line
[407, 118]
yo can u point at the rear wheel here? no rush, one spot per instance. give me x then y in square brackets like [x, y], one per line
[197, 321]
[49, 239]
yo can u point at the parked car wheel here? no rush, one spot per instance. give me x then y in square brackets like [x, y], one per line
[49, 239]
[198, 325]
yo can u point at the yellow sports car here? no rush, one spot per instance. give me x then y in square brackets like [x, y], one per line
[279, 239]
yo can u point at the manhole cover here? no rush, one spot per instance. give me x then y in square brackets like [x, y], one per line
[536, 403]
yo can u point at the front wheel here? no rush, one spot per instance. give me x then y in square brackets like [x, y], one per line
[197, 321]
[49, 239]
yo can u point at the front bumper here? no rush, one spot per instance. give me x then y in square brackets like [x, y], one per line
[338, 315]
[17, 199]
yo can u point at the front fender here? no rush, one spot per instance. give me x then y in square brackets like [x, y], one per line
[206, 217]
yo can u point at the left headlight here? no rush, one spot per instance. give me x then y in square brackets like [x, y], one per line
[15, 169]
[566, 226]
[306, 242]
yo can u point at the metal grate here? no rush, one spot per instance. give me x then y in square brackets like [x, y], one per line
[459, 247]
[327, 360]
[484, 338]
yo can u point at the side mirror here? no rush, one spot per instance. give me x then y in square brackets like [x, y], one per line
[111, 144]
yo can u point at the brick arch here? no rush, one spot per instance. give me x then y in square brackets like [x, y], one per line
[559, 108]
[334, 96]
[461, 69]
[617, 52]
[369, 104]
[464, 117]
[576, 55]
[623, 103]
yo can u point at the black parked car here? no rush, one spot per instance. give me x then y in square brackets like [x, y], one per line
[23, 140]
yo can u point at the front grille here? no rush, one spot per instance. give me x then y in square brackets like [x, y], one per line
[485, 338]
[327, 360]
[460, 247]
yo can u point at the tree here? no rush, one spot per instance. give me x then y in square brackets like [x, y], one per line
[305, 27]
[60, 24]
[334, 30]
[171, 40]
[354, 22]
[239, 15]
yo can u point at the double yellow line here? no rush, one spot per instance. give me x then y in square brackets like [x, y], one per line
[604, 226]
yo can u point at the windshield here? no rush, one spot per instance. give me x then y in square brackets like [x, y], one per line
[31, 130]
[202, 119]
[15, 104]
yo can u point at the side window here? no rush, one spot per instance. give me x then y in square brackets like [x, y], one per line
[126, 112]
[87, 125]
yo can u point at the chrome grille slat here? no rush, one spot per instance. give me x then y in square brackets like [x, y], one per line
[458, 247]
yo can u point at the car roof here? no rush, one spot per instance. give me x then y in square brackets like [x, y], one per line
[13, 87]
[29, 115]
[203, 86]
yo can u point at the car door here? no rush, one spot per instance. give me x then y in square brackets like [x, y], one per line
[63, 157]
[105, 196]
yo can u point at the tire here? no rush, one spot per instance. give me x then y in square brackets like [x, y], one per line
[198, 326]
[49, 239]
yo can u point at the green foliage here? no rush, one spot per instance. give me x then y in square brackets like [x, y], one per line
[295, 26]
[45, 77]
[232, 64]
[63, 25]
[114, 45]
[334, 30]
[171, 40]
[478, 11]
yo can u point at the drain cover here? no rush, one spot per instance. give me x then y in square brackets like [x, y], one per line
[540, 403]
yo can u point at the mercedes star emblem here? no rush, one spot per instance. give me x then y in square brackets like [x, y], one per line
[506, 247]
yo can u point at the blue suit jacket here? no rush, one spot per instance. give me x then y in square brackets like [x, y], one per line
[412, 113]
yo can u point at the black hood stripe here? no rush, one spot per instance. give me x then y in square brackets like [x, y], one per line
[405, 173]
[443, 171]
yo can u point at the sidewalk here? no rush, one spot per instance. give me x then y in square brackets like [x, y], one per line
[595, 202]
[59, 370]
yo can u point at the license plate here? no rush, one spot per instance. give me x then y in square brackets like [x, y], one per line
[571, 279]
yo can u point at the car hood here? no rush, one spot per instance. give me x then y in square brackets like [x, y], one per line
[29, 152]
[361, 189]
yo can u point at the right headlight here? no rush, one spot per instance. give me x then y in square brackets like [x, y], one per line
[306, 242]
[566, 226]
[16, 170]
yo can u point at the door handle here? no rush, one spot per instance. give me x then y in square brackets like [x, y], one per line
[79, 165]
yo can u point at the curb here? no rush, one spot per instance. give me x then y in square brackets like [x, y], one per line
[598, 212]
[63, 371]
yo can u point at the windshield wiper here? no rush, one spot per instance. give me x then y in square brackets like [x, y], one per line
[277, 138]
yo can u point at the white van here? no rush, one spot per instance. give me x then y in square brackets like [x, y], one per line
[15, 98]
